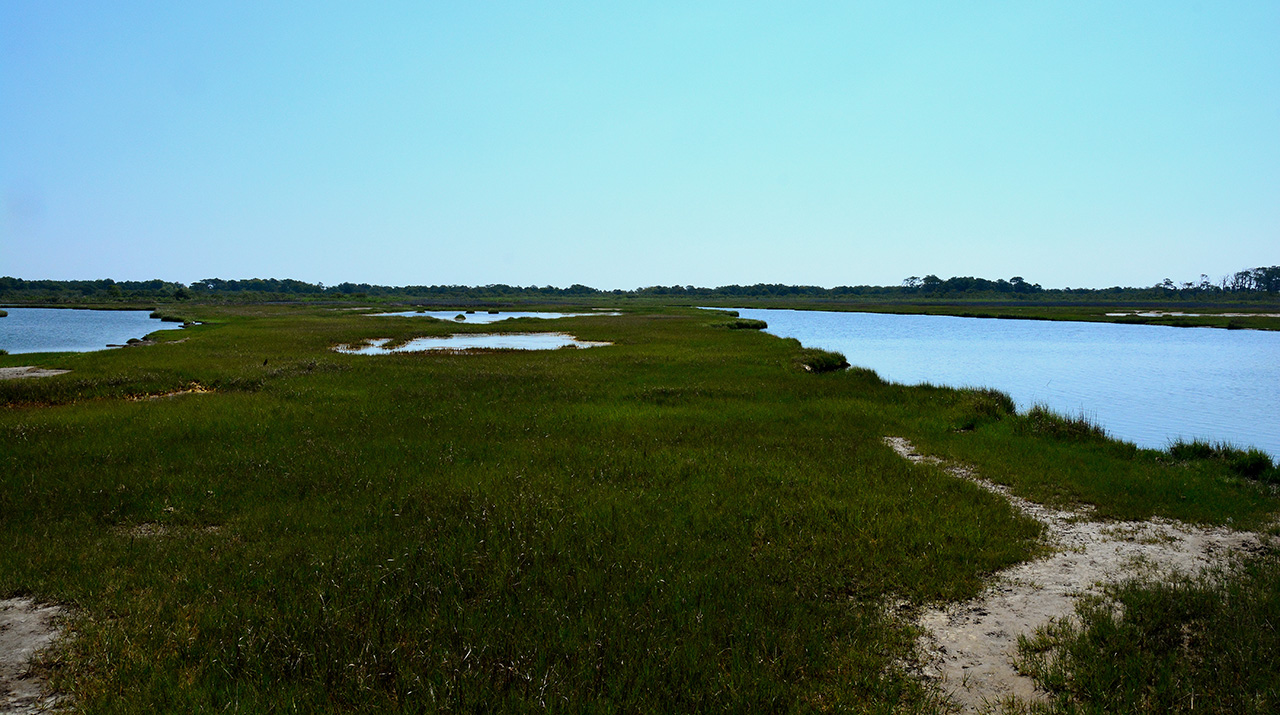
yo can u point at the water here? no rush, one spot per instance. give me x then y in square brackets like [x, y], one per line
[47, 330]
[1147, 384]
[483, 318]
[473, 341]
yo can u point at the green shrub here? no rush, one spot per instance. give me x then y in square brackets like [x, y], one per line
[746, 324]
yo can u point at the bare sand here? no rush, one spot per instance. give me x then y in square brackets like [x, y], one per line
[15, 373]
[26, 629]
[969, 647]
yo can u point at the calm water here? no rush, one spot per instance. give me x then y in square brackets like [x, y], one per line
[1146, 384]
[483, 318]
[47, 330]
[473, 341]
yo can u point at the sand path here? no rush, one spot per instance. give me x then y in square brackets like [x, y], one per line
[26, 629]
[969, 646]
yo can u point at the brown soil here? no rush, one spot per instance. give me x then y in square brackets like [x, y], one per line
[969, 647]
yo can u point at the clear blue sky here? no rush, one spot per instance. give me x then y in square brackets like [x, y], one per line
[632, 144]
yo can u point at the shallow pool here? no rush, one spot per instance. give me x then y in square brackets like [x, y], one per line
[473, 341]
[483, 318]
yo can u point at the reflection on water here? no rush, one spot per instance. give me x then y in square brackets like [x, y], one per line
[48, 330]
[482, 318]
[474, 341]
[1148, 384]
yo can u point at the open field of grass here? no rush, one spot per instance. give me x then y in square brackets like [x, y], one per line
[685, 520]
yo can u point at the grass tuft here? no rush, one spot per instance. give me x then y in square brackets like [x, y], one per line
[979, 406]
[746, 324]
[1041, 420]
[817, 360]
[169, 317]
[1248, 463]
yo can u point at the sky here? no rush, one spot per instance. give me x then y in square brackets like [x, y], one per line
[620, 145]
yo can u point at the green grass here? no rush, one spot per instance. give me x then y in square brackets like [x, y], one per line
[1248, 463]
[685, 520]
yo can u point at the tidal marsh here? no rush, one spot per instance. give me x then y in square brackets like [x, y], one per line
[684, 521]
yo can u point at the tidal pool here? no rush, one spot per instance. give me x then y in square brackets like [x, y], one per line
[473, 341]
[482, 317]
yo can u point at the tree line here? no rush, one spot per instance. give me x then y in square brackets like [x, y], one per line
[1254, 282]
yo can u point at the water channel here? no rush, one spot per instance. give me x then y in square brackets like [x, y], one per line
[49, 330]
[1146, 384]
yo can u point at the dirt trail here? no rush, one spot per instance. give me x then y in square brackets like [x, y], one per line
[971, 645]
[26, 628]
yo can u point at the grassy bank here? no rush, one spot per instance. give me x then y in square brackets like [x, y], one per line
[685, 520]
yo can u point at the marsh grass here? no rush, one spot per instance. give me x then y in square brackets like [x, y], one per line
[167, 317]
[1040, 420]
[818, 360]
[681, 521]
[980, 406]
[1248, 463]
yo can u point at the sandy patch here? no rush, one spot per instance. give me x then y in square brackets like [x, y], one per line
[26, 629]
[15, 373]
[969, 647]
